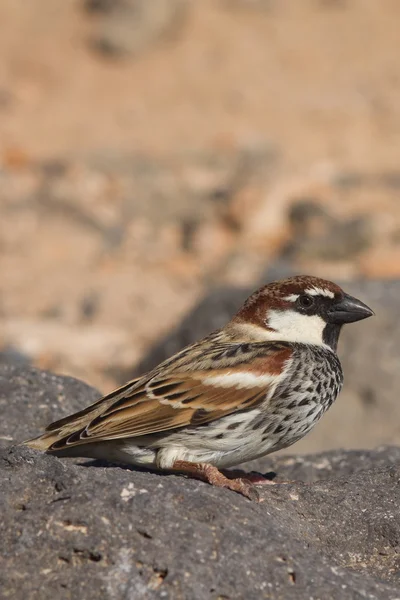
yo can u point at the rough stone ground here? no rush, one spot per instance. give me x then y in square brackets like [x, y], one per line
[89, 530]
[149, 153]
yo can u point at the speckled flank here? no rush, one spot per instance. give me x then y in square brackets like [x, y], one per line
[312, 384]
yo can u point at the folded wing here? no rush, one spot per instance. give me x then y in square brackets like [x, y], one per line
[169, 399]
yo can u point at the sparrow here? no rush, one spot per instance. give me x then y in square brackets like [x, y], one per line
[255, 386]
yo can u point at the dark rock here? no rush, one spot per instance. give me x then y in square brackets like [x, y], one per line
[30, 399]
[89, 306]
[389, 180]
[318, 234]
[102, 6]
[10, 354]
[346, 180]
[212, 312]
[78, 528]
[129, 27]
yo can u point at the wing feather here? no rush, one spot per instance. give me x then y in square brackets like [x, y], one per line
[171, 398]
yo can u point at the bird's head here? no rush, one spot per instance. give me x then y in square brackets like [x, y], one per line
[300, 309]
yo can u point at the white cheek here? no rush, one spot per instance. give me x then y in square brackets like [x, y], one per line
[291, 326]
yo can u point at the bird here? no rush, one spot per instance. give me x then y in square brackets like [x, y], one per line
[255, 386]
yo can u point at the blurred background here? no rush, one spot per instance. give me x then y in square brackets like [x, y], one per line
[152, 151]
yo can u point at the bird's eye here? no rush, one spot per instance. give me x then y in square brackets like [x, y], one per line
[305, 301]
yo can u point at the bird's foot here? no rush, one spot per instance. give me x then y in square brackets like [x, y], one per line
[213, 476]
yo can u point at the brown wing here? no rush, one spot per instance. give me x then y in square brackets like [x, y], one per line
[170, 400]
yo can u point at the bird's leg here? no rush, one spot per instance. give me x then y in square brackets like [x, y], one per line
[212, 475]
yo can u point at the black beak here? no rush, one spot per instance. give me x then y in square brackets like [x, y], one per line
[348, 310]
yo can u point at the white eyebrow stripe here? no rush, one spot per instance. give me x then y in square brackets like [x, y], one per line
[320, 292]
[292, 297]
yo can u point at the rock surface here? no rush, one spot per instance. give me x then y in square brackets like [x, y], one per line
[78, 528]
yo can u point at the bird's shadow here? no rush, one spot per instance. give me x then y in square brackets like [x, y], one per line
[103, 464]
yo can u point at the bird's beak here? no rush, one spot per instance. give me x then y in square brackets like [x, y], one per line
[349, 310]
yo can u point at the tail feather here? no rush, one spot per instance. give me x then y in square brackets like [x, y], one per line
[72, 424]
[43, 442]
[46, 441]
